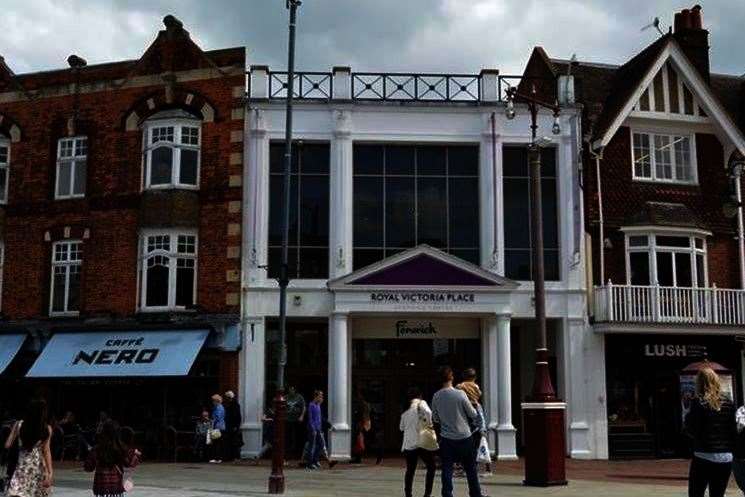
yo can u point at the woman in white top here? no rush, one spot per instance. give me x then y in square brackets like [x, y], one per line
[412, 419]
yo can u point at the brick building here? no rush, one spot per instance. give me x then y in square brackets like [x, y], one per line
[662, 155]
[120, 186]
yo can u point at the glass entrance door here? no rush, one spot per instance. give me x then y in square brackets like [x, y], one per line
[384, 369]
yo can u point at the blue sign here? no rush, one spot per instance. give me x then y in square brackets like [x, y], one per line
[119, 353]
[9, 347]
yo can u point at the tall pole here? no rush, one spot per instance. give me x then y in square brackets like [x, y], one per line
[543, 413]
[277, 477]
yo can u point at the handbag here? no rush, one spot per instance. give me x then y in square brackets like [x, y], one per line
[127, 483]
[427, 438]
[215, 434]
[483, 455]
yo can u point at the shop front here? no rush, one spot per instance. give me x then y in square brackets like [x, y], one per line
[649, 381]
[152, 381]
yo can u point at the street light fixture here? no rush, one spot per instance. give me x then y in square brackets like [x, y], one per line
[543, 412]
[277, 477]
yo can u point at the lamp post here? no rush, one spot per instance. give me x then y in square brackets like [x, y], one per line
[277, 477]
[543, 412]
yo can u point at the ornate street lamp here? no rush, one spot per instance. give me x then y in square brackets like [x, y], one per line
[277, 477]
[543, 412]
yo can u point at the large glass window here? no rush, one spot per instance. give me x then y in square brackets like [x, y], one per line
[173, 145]
[666, 260]
[407, 195]
[67, 260]
[4, 169]
[72, 165]
[169, 270]
[660, 157]
[309, 210]
[517, 208]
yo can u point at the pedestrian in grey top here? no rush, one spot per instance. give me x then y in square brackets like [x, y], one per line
[452, 410]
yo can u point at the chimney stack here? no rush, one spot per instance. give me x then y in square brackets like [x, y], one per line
[693, 38]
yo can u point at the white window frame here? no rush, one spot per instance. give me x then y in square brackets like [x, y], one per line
[172, 255]
[653, 161]
[4, 142]
[74, 160]
[176, 146]
[652, 249]
[67, 264]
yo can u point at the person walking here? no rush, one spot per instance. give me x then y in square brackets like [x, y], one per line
[201, 432]
[217, 435]
[480, 445]
[34, 474]
[711, 422]
[419, 441]
[362, 421]
[233, 419]
[452, 410]
[316, 439]
[109, 458]
[295, 416]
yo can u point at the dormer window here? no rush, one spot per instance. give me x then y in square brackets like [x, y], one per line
[664, 157]
[172, 148]
[72, 165]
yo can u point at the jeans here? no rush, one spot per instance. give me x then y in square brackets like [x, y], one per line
[461, 451]
[317, 446]
[412, 458]
[738, 471]
[704, 474]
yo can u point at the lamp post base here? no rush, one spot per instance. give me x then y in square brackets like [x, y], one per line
[277, 478]
[545, 448]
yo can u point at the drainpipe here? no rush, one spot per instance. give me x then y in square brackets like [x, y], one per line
[740, 240]
[598, 156]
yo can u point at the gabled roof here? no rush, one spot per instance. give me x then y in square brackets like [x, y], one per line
[422, 268]
[608, 91]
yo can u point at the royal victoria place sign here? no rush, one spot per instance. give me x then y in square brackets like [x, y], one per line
[127, 353]
[422, 300]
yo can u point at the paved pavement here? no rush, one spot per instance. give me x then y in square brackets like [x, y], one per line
[594, 478]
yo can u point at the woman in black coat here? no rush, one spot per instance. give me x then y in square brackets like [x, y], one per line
[711, 423]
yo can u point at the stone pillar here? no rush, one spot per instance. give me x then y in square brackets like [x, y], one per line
[339, 367]
[490, 378]
[584, 372]
[252, 384]
[506, 444]
[256, 200]
[490, 188]
[259, 82]
[341, 200]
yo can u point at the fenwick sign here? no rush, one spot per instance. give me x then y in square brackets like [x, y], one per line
[406, 329]
[422, 298]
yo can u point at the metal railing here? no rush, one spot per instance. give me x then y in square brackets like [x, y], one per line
[393, 87]
[669, 305]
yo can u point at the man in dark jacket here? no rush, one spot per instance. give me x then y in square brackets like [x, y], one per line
[233, 419]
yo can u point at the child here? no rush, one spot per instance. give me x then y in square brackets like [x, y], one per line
[204, 423]
[108, 459]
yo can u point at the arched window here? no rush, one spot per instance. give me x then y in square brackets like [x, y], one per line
[172, 150]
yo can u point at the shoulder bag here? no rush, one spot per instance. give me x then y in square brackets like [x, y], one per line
[427, 439]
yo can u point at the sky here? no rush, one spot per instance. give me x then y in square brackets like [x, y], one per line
[461, 36]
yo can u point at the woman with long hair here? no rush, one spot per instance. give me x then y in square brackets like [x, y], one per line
[108, 459]
[711, 423]
[33, 474]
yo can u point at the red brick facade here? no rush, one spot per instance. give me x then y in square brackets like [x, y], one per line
[107, 103]
[623, 198]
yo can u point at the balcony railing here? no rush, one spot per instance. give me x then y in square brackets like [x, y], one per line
[487, 86]
[669, 305]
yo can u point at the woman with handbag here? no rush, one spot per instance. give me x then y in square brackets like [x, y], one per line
[218, 430]
[420, 441]
[109, 459]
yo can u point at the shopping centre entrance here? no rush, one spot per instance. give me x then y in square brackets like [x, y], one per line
[383, 369]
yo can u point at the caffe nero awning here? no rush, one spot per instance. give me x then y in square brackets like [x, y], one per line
[9, 347]
[119, 353]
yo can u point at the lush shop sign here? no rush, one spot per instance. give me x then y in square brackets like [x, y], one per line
[677, 350]
[119, 353]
